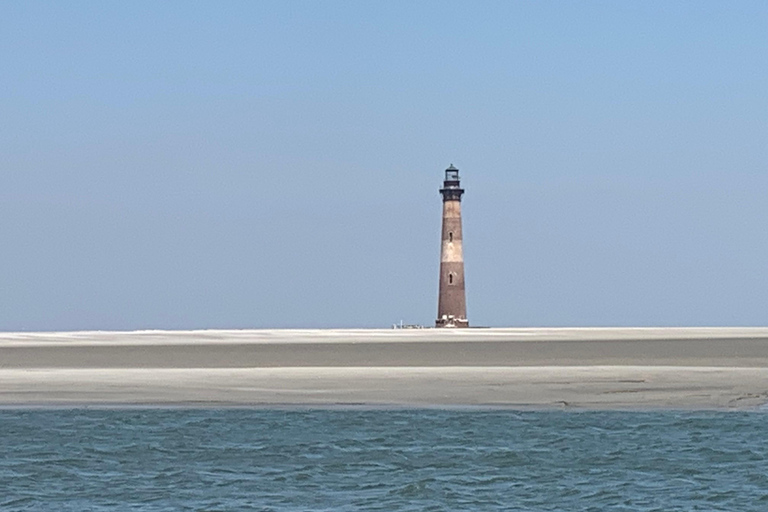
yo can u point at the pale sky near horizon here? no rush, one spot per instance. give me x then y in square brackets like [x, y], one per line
[180, 165]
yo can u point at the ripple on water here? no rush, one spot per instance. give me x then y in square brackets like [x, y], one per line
[156, 460]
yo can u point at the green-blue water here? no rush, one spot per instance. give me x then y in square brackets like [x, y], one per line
[238, 459]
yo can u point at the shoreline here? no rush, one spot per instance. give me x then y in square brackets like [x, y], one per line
[426, 334]
[523, 369]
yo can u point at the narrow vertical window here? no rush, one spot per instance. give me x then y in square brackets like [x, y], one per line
[450, 278]
[450, 236]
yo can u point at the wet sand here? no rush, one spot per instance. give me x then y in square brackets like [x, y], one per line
[629, 368]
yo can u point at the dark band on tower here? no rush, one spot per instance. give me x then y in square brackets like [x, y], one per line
[452, 303]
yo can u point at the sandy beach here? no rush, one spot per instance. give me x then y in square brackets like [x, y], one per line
[591, 368]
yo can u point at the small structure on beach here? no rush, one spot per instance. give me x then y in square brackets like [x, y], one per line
[452, 302]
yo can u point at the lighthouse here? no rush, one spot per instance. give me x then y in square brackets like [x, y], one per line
[452, 302]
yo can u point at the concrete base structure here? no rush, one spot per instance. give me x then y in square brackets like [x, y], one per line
[451, 322]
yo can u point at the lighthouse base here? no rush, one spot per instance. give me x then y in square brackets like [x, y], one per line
[450, 321]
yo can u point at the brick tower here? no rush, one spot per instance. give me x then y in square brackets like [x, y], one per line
[452, 304]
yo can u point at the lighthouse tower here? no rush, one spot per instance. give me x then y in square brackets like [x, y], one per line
[452, 303]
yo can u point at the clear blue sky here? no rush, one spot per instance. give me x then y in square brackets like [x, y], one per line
[276, 164]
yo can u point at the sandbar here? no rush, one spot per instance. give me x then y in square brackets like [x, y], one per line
[577, 368]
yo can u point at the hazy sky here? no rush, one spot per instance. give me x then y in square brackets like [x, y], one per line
[277, 164]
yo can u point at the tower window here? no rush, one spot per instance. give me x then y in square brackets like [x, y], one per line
[450, 236]
[450, 278]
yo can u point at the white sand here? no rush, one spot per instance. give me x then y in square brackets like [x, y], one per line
[522, 368]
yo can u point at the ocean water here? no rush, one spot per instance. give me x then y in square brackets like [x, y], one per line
[254, 459]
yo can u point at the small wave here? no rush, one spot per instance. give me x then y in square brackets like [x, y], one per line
[382, 460]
